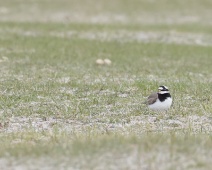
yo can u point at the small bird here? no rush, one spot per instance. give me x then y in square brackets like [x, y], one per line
[160, 101]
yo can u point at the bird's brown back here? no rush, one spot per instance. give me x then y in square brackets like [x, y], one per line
[152, 98]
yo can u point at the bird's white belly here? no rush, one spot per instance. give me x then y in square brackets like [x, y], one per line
[158, 105]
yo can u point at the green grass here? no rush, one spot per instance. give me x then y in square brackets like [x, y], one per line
[88, 152]
[59, 110]
[169, 150]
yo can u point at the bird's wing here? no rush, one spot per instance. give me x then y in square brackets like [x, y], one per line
[152, 98]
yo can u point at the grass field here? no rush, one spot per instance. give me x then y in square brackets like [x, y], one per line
[59, 110]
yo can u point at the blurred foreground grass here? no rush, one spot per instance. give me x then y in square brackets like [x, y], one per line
[63, 151]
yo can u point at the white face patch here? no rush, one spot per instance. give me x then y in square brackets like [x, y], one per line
[163, 92]
[160, 88]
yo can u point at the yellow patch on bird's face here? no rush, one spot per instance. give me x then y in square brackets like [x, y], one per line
[159, 89]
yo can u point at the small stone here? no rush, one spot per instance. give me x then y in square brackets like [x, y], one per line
[107, 61]
[99, 61]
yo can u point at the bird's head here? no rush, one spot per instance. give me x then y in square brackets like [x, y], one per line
[163, 90]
